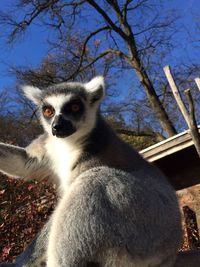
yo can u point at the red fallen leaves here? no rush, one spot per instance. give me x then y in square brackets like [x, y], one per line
[5, 252]
[24, 208]
[30, 187]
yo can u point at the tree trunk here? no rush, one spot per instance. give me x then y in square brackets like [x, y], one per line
[154, 100]
[126, 33]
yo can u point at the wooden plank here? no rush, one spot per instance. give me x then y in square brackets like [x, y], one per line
[153, 157]
[167, 147]
[155, 152]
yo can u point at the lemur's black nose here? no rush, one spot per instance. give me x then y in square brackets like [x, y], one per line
[57, 123]
[62, 127]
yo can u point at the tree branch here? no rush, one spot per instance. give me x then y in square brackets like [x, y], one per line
[125, 9]
[101, 55]
[128, 33]
[92, 34]
[37, 8]
[107, 18]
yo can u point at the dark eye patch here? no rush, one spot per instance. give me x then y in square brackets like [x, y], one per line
[74, 108]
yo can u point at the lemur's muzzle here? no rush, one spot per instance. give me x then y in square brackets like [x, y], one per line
[62, 127]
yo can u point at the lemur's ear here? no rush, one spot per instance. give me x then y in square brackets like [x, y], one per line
[32, 93]
[96, 88]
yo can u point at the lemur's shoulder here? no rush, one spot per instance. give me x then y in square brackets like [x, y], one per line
[104, 147]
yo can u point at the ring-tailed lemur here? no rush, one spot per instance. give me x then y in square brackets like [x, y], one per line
[115, 209]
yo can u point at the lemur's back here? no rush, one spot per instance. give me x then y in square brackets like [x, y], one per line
[139, 215]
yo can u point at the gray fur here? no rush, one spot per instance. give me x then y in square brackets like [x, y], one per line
[115, 210]
[65, 88]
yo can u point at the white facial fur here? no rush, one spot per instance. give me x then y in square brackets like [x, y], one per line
[56, 101]
[63, 156]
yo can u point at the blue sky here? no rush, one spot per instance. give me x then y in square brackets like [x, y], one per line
[33, 47]
[28, 52]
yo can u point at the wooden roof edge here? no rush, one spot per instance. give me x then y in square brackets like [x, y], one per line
[168, 146]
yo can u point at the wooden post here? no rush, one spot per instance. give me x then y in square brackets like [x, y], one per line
[189, 116]
[197, 80]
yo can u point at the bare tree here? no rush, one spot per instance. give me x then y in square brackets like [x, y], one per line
[131, 31]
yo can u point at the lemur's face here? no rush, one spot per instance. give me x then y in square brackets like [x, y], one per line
[63, 114]
[68, 109]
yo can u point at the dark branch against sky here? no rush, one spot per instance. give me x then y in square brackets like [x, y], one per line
[30, 50]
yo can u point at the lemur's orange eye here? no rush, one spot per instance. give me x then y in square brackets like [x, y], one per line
[75, 108]
[48, 112]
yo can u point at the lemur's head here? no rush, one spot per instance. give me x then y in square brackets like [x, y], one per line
[68, 109]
